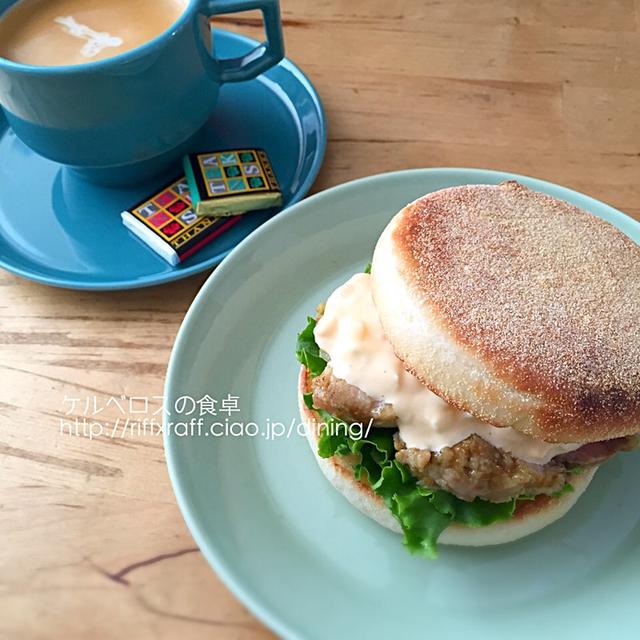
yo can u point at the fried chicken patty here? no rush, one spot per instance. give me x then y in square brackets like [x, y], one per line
[469, 469]
[474, 468]
[350, 403]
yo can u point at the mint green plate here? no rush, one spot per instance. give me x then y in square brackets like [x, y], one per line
[292, 549]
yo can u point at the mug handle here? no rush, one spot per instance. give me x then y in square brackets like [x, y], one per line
[262, 57]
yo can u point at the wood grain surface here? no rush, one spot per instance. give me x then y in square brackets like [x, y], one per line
[92, 544]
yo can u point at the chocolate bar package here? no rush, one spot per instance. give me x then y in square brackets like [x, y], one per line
[224, 183]
[168, 224]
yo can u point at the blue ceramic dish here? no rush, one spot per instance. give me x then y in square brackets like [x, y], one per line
[60, 230]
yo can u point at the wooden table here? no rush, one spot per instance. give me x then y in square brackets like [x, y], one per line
[92, 544]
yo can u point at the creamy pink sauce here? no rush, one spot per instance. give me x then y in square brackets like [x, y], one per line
[350, 333]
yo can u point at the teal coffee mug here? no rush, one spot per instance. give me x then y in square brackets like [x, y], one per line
[128, 117]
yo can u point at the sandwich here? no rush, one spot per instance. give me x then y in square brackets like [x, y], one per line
[466, 387]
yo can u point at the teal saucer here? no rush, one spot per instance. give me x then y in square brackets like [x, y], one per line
[285, 542]
[62, 231]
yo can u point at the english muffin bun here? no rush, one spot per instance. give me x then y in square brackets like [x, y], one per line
[516, 307]
[530, 516]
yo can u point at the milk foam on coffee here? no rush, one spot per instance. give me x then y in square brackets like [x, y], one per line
[95, 41]
[63, 32]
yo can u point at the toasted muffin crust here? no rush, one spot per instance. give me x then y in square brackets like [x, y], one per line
[538, 300]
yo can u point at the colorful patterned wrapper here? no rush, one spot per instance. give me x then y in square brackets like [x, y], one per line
[224, 183]
[167, 223]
